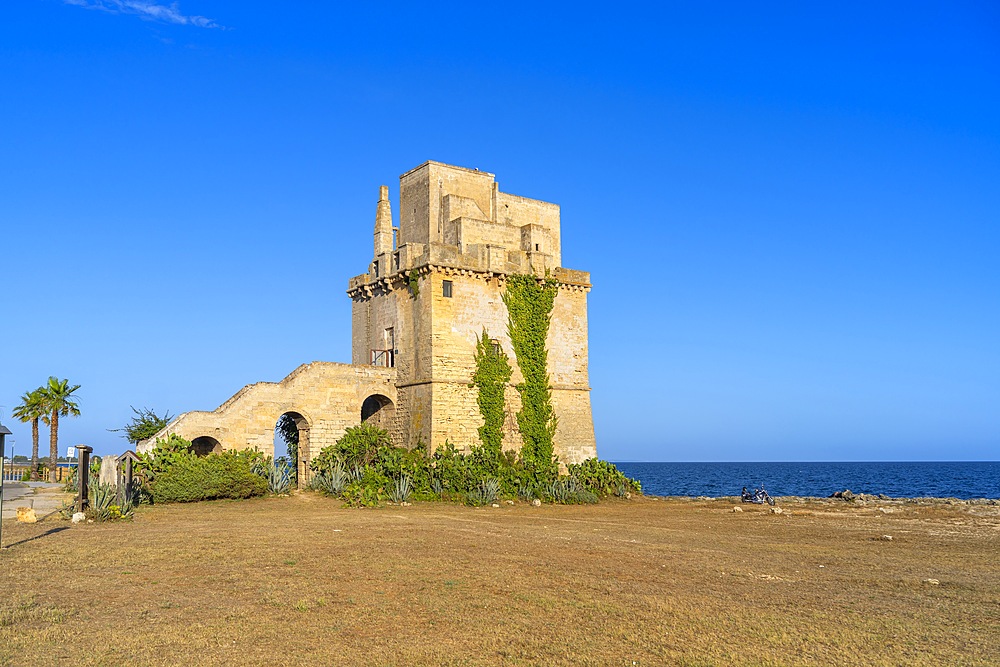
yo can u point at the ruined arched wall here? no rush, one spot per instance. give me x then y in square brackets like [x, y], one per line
[327, 395]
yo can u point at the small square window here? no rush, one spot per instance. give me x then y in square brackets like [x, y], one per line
[446, 288]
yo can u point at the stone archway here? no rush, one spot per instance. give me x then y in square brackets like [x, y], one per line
[303, 451]
[205, 445]
[378, 410]
[325, 397]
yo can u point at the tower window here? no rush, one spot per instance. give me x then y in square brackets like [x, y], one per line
[536, 246]
[446, 288]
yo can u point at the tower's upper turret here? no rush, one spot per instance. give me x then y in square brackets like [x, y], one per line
[457, 217]
[383, 223]
[455, 206]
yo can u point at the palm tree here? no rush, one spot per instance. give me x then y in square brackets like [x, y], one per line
[31, 409]
[58, 403]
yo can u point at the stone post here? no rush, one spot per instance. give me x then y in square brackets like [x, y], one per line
[109, 471]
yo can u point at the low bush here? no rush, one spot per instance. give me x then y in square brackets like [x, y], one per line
[369, 489]
[165, 452]
[192, 478]
[365, 470]
[360, 446]
[603, 478]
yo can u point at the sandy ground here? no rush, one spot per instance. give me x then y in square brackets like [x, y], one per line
[304, 581]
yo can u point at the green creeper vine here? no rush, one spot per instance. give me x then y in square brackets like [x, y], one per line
[529, 304]
[492, 374]
[413, 282]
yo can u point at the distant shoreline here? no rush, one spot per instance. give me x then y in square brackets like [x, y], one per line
[861, 500]
[761, 463]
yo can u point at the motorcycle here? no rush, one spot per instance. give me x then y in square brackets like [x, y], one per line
[757, 497]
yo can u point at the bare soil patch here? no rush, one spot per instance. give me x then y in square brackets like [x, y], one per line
[303, 581]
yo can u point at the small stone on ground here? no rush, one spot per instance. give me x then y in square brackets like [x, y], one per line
[26, 515]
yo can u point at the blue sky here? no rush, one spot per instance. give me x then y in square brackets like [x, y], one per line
[791, 213]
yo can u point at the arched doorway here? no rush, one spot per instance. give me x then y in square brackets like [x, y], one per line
[205, 445]
[378, 410]
[291, 444]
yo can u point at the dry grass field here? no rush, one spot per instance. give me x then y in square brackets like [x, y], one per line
[302, 581]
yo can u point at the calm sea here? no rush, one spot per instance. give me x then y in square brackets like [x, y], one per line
[899, 480]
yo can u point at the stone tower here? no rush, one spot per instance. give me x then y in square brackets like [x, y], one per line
[435, 284]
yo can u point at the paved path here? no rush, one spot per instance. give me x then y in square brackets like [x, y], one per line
[42, 496]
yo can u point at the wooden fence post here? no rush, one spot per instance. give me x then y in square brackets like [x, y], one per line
[83, 477]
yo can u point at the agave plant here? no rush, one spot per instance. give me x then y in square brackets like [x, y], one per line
[401, 490]
[485, 493]
[109, 502]
[475, 498]
[332, 480]
[491, 489]
[279, 477]
[436, 486]
[526, 492]
[558, 491]
[582, 497]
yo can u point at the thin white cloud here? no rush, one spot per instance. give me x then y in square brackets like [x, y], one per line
[147, 10]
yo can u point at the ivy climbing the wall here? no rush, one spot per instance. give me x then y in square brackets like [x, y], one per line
[413, 282]
[492, 374]
[529, 304]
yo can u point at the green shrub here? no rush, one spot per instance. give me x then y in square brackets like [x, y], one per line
[166, 452]
[365, 470]
[191, 478]
[360, 446]
[603, 478]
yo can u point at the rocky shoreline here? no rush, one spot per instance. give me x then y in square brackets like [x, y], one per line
[858, 499]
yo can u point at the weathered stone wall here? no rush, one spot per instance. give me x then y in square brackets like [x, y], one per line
[477, 303]
[520, 211]
[328, 396]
